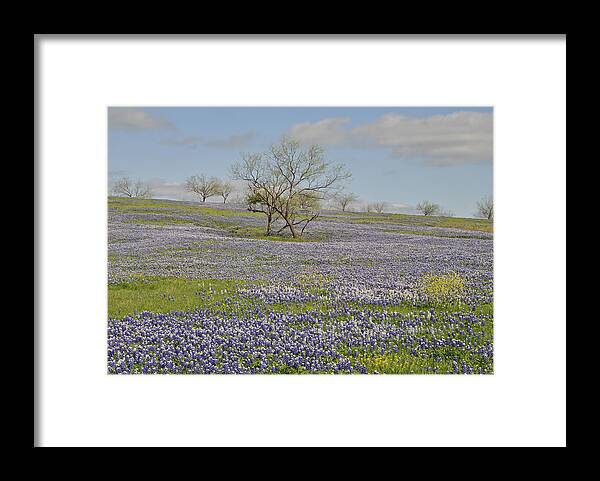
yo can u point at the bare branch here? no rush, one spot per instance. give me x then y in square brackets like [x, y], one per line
[427, 207]
[344, 199]
[290, 181]
[224, 189]
[202, 186]
[379, 206]
[485, 208]
[127, 188]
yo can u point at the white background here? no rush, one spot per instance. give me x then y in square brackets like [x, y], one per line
[522, 404]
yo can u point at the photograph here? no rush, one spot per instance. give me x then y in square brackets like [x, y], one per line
[300, 240]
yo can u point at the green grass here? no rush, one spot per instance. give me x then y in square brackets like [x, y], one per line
[259, 233]
[162, 206]
[218, 218]
[235, 230]
[485, 309]
[163, 295]
[397, 363]
[227, 212]
[482, 225]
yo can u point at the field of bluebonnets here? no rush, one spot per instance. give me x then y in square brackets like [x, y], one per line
[197, 289]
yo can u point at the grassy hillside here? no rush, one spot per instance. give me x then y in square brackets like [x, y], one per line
[198, 288]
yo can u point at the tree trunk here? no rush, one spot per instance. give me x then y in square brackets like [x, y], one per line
[290, 225]
[293, 230]
[269, 219]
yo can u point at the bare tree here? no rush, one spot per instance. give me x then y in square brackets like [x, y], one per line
[224, 189]
[292, 181]
[485, 208]
[368, 208]
[142, 190]
[123, 186]
[202, 186]
[379, 207]
[428, 208]
[344, 199]
[263, 185]
[307, 201]
[258, 200]
[128, 188]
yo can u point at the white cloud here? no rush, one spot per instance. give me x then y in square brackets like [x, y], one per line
[327, 131]
[128, 118]
[451, 139]
[162, 189]
[456, 138]
[193, 141]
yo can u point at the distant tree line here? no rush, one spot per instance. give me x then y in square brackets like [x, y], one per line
[205, 187]
[485, 209]
[125, 187]
[289, 183]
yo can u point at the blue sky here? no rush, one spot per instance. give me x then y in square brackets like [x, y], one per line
[397, 155]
